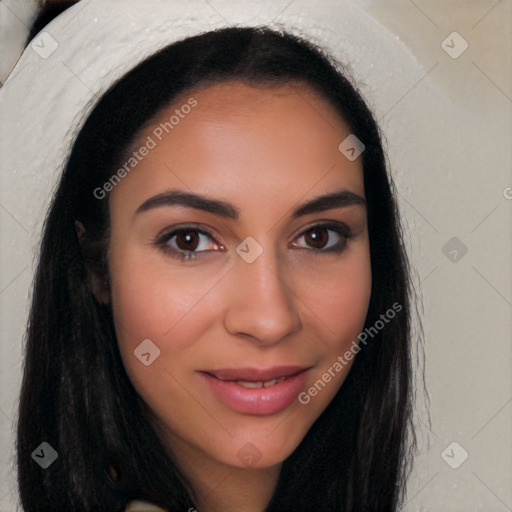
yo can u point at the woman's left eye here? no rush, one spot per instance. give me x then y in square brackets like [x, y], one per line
[325, 238]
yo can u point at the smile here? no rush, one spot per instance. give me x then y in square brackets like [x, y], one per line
[256, 392]
[260, 384]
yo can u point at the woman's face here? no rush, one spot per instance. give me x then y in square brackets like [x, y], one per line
[228, 272]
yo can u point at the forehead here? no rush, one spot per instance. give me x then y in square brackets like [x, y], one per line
[246, 141]
[266, 106]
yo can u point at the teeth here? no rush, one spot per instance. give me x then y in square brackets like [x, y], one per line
[260, 384]
[247, 384]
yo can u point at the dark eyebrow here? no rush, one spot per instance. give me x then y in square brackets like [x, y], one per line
[328, 201]
[179, 198]
[224, 209]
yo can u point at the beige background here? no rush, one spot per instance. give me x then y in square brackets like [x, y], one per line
[448, 124]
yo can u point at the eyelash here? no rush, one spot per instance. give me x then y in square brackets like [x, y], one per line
[162, 240]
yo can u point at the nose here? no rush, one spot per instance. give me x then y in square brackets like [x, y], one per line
[261, 305]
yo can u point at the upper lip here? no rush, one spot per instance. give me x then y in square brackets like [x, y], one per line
[256, 374]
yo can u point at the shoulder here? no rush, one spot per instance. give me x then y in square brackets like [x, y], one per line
[143, 506]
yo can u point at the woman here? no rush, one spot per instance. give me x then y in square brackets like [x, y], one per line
[197, 337]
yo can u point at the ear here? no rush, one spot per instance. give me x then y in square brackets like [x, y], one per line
[98, 284]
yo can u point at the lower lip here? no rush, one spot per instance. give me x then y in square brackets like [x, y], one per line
[257, 401]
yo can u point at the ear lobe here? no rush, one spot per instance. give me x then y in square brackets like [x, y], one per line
[80, 230]
[99, 287]
[97, 284]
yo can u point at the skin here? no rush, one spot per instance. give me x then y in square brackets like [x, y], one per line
[266, 151]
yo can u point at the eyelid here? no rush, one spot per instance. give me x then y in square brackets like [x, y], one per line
[326, 223]
[166, 232]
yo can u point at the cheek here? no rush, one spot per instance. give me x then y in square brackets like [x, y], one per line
[152, 297]
[340, 302]
[170, 311]
[339, 296]
[162, 303]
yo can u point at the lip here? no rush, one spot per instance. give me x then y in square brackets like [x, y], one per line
[259, 401]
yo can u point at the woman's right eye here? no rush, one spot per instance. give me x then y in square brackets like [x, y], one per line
[187, 242]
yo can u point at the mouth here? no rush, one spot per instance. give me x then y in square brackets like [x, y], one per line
[256, 391]
[255, 375]
[259, 384]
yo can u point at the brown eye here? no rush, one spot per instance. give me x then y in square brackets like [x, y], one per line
[317, 237]
[324, 238]
[187, 240]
